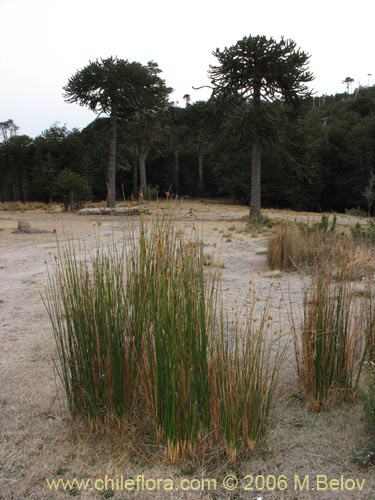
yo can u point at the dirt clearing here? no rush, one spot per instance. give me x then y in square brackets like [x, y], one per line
[38, 441]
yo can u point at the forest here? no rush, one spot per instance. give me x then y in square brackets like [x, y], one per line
[319, 156]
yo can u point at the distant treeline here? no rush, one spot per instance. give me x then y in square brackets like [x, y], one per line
[321, 158]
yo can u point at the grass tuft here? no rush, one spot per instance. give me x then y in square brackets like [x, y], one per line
[142, 337]
[88, 310]
[329, 345]
[243, 374]
[295, 246]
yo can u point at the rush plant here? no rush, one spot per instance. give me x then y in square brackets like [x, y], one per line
[168, 276]
[142, 337]
[88, 311]
[329, 344]
[243, 373]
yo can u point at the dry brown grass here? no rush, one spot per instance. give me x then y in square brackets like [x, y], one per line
[13, 206]
[288, 248]
[362, 263]
[294, 248]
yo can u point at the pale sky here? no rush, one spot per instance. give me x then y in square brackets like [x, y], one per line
[44, 42]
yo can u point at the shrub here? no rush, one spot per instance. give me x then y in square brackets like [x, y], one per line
[355, 212]
[72, 189]
[259, 224]
[153, 192]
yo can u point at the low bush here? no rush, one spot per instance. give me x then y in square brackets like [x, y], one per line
[259, 224]
[71, 189]
[355, 212]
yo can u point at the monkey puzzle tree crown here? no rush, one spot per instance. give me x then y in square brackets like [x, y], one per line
[277, 69]
[107, 83]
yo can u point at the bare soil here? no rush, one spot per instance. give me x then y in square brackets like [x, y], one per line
[38, 439]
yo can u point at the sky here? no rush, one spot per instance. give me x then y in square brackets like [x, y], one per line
[44, 42]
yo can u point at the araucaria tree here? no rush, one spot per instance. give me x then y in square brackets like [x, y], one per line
[260, 70]
[119, 89]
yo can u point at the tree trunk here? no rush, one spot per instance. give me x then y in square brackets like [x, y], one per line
[135, 176]
[255, 181]
[142, 154]
[200, 173]
[176, 169]
[25, 194]
[71, 200]
[255, 198]
[111, 200]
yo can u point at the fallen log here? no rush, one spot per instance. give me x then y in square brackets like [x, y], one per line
[138, 210]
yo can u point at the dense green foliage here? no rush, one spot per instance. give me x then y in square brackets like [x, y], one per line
[321, 158]
[72, 189]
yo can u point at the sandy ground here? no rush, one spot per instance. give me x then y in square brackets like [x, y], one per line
[39, 442]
